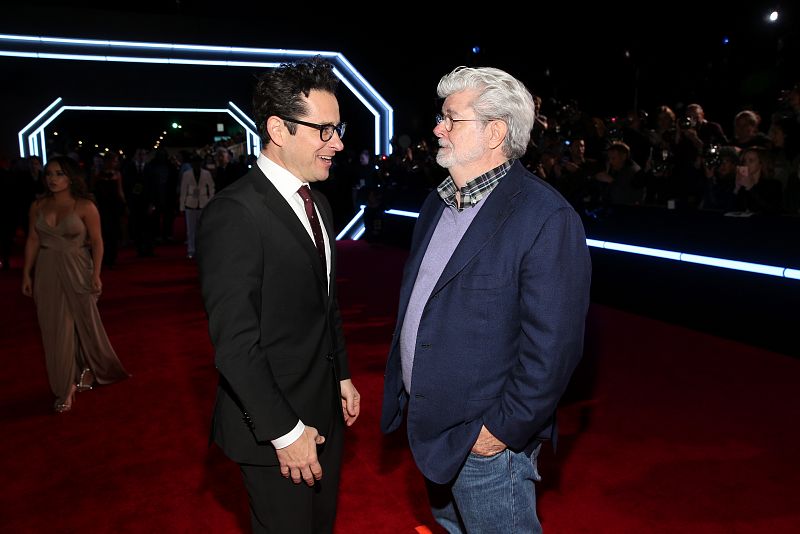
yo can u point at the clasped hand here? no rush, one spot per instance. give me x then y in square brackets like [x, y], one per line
[299, 460]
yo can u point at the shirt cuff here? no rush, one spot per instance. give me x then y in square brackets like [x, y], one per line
[287, 439]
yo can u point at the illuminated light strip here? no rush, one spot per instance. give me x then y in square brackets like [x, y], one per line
[359, 217]
[644, 251]
[367, 105]
[253, 138]
[34, 121]
[242, 113]
[352, 222]
[758, 268]
[44, 154]
[7, 37]
[134, 108]
[360, 233]
[10, 53]
[76, 57]
[403, 213]
[733, 264]
[133, 59]
[389, 110]
[162, 46]
[247, 129]
[384, 121]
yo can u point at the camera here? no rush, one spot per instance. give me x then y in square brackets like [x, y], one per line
[661, 160]
[712, 157]
[687, 122]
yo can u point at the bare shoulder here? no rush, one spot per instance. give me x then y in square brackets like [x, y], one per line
[84, 207]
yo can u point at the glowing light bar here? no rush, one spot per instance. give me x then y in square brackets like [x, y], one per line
[758, 268]
[10, 53]
[352, 223]
[242, 113]
[144, 108]
[644, 251]
[44, 112]
[366, 105]
[403, 213]
[723, 263]
[359, 233]
[733, 264]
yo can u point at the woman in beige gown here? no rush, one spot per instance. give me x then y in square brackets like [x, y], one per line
[66, 284]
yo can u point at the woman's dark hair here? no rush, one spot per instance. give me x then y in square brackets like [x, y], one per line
[77, 178]
[278, 92]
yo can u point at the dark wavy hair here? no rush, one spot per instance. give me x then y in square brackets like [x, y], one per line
[278, 92]
[77, 178]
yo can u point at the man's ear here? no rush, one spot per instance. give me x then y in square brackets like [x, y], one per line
[276, 130]
[497, 133]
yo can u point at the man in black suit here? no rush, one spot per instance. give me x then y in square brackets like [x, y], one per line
[268, 277]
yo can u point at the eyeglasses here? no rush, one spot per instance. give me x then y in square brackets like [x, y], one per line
[325, 130]
[448, 121]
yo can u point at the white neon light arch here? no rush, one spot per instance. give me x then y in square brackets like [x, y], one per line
[34, 131]
[40, 47]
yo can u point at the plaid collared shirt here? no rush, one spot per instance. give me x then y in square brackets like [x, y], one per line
[475, 190]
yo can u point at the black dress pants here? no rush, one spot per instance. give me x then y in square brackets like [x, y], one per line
[279, 506]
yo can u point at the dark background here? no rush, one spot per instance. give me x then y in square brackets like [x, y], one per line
[675, 56]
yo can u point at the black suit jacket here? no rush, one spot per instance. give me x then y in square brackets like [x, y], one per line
[275, 327]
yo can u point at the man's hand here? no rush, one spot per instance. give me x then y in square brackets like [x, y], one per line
[487, 444]
[351, 402]
[299, 460]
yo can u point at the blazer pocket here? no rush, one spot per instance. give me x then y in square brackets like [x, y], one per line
[484, 281]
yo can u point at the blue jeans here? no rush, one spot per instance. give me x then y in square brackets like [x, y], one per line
[490, 494]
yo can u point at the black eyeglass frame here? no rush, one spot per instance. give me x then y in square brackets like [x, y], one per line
[330, 128]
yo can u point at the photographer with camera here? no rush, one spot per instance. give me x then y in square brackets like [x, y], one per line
[719, 164]
[710, 133]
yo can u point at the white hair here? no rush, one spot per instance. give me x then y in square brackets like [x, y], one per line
[500, 96]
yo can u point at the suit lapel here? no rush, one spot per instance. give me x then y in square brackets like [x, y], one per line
[286, 215]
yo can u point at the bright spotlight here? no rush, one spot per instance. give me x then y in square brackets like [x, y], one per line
[773, 17]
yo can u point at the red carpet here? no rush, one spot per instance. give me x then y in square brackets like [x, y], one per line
[664, 430]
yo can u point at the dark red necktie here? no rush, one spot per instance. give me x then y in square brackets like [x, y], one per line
[316, 229]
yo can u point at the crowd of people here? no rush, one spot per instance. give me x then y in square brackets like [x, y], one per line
[669, 159]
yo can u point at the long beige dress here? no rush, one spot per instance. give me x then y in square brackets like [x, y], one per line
[72, 332]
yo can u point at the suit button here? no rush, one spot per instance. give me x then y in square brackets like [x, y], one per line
[425, 345]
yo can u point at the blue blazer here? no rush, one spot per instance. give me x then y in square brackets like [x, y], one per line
[501, 332]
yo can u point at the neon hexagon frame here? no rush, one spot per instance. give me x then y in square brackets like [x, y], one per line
[39, 47]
